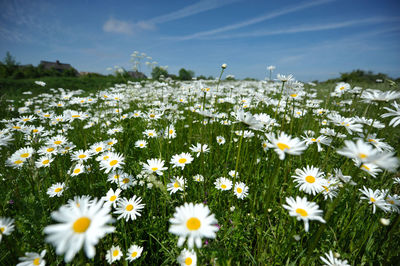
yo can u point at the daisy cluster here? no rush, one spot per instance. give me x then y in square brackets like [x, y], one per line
[171, 171]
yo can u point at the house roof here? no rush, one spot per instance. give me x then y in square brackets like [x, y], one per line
[56, 65]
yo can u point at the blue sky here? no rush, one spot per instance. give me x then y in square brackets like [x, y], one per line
[311, 39]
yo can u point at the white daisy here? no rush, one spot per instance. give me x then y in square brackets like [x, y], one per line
[79, 227]
[56, 190]
[33, 258]
[303, 210]
[154, 166]
[129, 209]
[180, 160]
[310, 180]
[113, 254]
[133, 253]
[193, 222]
[187, 257]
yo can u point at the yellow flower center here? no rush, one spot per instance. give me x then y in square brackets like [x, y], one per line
[81, 225]
[310, 179]
[46, 115]
[2, 229]
[362, 155]
[193, 224]
[16, 127]
[50, 149]
[152, 115]
[112, 198]
[372, 199]
[125, 180]
[341, 88]
[176, 184]
[391, 201]
[239, 190]
[302, 212]
[115, 253]
[182, 160]
[82, 156]
[24, 155]
[18, 162]
[188, 261]
[129, 207]
[36, 261]
[99, 149]
[223, 186]
[77, 170]
[313, 139]
[171, 131]
[57, 189]
[282, 146]
[113, 162]
[35, 130]
[365, 167]
[154, 169]
[75, 116]
[293, 95]
[110, 143]
[134, 254]
[57, 142]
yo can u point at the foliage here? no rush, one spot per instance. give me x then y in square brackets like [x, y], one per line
[186, 74]
[157, 72]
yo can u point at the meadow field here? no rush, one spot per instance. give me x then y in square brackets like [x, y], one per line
[201, 172]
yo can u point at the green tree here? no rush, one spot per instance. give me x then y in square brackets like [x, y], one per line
[11, 65]
[185, 74]
[157, 72]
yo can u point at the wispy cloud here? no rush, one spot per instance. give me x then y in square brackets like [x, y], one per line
[127, 27]
[118, 26]
[268, 16]
[308, 28]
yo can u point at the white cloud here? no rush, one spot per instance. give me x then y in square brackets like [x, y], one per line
[118, 26]
[126, 27]
[256, 20]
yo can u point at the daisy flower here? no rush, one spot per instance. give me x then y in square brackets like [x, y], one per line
[330, 260]
[114, 162]
[193, 221]
[113, 254]
[370, 168]
[150, 133]
[129, 209]
[133, 253]
[81, 156]
[24, 153]
[310, 180]
[44, 161]
[114, 177]
[342, 87]
[223, 183]
[58, 140]
[180, 160]
[393, 112]
[220, 140]
[33, 258]
[112, 197]
[6, 226]
[376, 198]
[241, 190]
[248, 119]
[111, 142]
[78, 169]
[187, 257]
[170, 132]
[285, 144]
[80, 226]
[177, 184]
[198, 178]
[303, 210]
[125, 181]
[199, 149]
[56, 190]
[97, 147]
[154, 166]
[141, 144]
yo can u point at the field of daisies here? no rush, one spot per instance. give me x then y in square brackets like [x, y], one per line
[204, 172]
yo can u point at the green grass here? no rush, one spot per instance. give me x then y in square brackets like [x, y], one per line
[258, 231]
